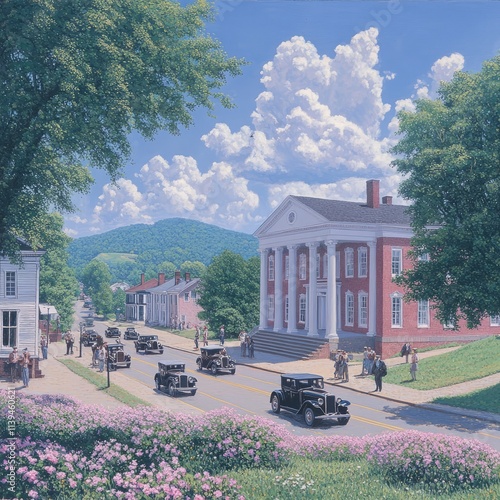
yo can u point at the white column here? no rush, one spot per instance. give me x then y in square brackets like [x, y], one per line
[263, 289]
[278, 289]
[372, 290]
[331, 293]
[292, 288]
[312, 319]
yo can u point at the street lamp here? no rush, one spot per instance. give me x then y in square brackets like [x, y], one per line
[48, 325]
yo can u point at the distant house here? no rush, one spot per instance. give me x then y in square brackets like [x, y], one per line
[136, 298]
[174, 302]
[328, 268]
[119, 286]
[19, 290]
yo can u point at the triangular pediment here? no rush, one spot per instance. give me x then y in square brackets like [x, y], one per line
[291, 215]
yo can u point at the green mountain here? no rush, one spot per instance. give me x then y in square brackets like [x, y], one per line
[138, 248]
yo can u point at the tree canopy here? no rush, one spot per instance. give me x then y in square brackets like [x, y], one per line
[77, 77]
[229, 293]
[96, 280]
[449, 153]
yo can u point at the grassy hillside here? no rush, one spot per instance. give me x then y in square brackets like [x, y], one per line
[170, 240]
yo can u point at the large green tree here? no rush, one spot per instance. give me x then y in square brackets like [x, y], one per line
[58, 285]
[77, 77]
[449, 153]
[229, 292]
[96, 280]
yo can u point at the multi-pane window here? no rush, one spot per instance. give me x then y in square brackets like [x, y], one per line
[349, 309]
[9, 328]
[325, 265]
[349, 262]
[287, 266]
[286, 308]
[396, 311]
[317, 265]
[302, 309]
[271, 268]
[495, 320]
[397, 261]
[186, 297]
[10, 284]
[363, 309]
[270, 307]
[337, 267]
[302, 266]
[423, 313]
[423, 256]
[362, 261]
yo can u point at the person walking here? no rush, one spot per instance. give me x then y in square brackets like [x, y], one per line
[205, 335]
[414, 364]
[406, 350]
[364, 366]
[371, 360]
[101, 357]
[251, 348]
[196, 336]
[24, 363]
[14, 365]
[379, 370]
[345, 367]
[44, 347]
[222, 334]
[243, 343]
[71, 341]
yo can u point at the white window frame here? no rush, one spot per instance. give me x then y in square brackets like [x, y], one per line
[270, 268]
[363, 309]
[10, 284]
[362, 262]
[423, 257]
[349, 309]
[396, 310]
[302, 266]
[6, 314]
[186, 296]
[349, 262]
[423, 313]
[302, 308]
[495, 320]
[270, 307]
[396, 261]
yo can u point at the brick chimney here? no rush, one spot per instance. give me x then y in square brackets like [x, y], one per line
[187, 277]
[373, 193]
[177, 277]
[161, 278]
[142, 278]
[387, 200]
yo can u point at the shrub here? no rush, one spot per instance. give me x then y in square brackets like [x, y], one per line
[438, 461]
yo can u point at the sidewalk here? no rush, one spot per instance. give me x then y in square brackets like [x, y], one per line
[60, 380]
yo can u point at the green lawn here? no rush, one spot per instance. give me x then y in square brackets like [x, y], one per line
[485, 400]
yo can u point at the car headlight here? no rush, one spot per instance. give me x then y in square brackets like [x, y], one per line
[218, 362]
[321, 401]
[191, 380]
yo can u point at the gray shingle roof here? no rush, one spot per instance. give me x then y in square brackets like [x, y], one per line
[350, 211]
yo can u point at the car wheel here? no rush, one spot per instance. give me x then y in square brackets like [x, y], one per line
[157, 381]
[213, 368]
[342, 421]
[199, 364]
[309, 417]
[275, 404]
[233, 371]
[161, 352]
[128, 365]
[171, 389]
[193, 392]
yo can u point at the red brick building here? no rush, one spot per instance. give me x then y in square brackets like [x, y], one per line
[352, 251]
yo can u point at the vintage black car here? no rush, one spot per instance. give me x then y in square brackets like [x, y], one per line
[148, 344]
[112, 332]
[304, 394]
[216, 359]
[89, 337]
[171, 375]
[130, 333]
[117, 358]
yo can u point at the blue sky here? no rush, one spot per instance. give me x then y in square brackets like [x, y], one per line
[315, 110]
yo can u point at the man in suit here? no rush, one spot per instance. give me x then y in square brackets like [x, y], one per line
[379, 370]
